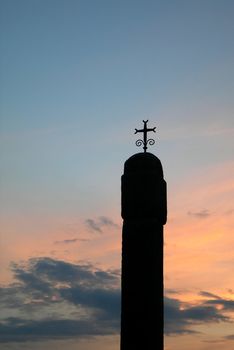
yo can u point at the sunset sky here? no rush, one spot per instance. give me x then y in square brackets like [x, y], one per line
[77, 77]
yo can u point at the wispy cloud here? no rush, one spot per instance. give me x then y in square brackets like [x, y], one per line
[209, 295]
[105, 221]
[202, 214]
[100, 223]
[73, 240]
[93, 225]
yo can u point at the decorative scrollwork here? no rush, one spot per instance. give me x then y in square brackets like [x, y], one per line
[139, 143]
[151, 142]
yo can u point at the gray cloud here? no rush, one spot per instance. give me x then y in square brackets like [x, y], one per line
[180, 317]
[230, 337]
[46, 287]
[93, 225]
[213, 299]
[21, 330]
[227, 305]
[202, 214]
[97, 225]
[72, 240]
[105, 221]
[214, 341]
[209, 295]
[54, 299]
[172, 291]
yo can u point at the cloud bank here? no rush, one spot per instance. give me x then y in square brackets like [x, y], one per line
[54, 299]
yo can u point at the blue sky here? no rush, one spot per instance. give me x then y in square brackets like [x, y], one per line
[77, 77]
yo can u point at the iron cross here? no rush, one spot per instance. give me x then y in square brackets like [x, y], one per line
[144, 142]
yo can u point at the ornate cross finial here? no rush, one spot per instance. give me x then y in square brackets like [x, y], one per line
[144, 142]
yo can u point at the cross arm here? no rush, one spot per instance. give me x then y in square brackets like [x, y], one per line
[136, 131]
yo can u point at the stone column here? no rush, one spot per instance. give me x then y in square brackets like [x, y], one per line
[144, 212]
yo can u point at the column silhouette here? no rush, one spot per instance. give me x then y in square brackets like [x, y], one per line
[144, 212]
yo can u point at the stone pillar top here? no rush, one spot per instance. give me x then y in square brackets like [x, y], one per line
[143, 163]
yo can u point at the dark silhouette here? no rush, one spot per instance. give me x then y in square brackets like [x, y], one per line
[144, 211]
[145, 130]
